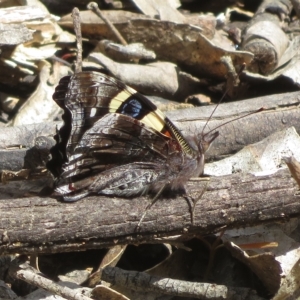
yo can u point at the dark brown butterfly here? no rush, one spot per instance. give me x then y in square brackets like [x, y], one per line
[116, 142]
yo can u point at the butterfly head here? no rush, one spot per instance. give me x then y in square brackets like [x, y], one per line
[206, 140]
[201, 143]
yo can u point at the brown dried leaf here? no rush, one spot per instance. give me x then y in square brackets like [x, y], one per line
[124, 53]
[92, 25]
[112, 256]
[111, 259]
[102, 292]
[160, 79]
[265, 266]
[182, 44]
[294, 167]
[173, 266]
[7, 175]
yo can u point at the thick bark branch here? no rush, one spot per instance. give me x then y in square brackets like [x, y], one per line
[45, 225]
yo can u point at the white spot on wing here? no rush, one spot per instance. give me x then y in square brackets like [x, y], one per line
[93, 112]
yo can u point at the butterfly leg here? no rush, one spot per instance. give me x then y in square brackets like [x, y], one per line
[193, 202]
[149, 206]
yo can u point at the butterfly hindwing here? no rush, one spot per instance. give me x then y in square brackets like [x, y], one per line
[115, 140]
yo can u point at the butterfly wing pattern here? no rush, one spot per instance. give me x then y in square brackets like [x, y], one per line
[115, 141]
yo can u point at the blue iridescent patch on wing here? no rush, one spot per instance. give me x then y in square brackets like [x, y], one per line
[132, 108]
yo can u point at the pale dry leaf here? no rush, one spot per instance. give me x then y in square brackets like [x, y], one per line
[184, 45]
[261, 158]
[76, 276]
[27, 56]
[164, 10]
[14, 34]
[290, 288]
[20, 14]
[287, 252]
[45, 31]
[37, 3]
[39, 107]
[111, 258]
[167, 105]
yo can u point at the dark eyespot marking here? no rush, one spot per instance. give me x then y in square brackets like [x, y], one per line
[131, 108]
[134, 108]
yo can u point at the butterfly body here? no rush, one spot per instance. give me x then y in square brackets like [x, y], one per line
[116, 142]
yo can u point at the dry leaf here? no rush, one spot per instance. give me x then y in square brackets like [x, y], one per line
[20, 14]
[40, 106]
[290, 288]
[182, 44]
[287, 251]
[261, 158]
[14, 34]
[164, 10]
[159, 79]
[102, 292]
[265, 266]
[124, 53]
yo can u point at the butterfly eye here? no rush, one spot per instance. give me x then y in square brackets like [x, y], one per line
[207, 140]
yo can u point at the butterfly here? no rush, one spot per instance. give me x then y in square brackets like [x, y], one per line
[116, 142]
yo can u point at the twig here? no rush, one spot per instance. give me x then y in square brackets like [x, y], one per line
[232, 74]
[94, 7]
[25, 273]
[143, 282]
[77, 29]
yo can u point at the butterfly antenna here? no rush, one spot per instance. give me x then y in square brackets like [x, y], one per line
[246, 115]
[222, 98]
